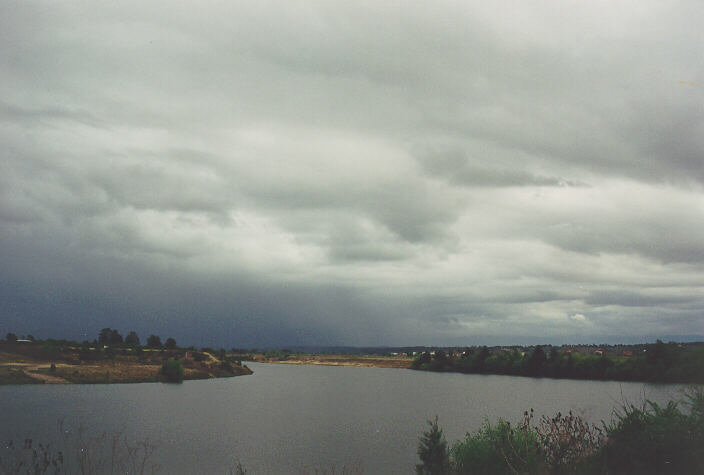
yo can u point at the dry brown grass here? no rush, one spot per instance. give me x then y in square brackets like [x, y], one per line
[347, 360]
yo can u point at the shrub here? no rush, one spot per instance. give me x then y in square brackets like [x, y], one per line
[567, 440]
[172, 370]
[657, 439]
[499, 449]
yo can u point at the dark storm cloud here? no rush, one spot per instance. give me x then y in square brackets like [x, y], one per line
[291, 173]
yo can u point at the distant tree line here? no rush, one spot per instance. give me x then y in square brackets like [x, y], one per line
[108, 337]
[111, 337]
[661, 362]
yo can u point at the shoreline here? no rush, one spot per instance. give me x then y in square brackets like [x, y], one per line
[340, 360]
[66, 367]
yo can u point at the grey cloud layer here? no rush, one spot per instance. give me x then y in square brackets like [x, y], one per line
[363, 174]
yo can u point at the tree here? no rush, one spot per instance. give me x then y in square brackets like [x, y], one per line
[554, 355]
[433, 453]
[154, 341]
[170, 344]
[536, 362]
[11, 337]
[115, 338]
[132, 339]
[104, 336]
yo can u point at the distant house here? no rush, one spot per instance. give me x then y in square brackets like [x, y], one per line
[24, 341]
[627, 353]
[599, 352]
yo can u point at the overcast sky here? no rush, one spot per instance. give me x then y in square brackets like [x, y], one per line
[360, 173]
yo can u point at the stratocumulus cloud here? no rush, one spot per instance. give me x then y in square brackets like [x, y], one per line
[275, 173]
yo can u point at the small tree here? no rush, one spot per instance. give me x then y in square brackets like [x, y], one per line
[11, 337]
[433, 453]
[154, 341]
[170, 344]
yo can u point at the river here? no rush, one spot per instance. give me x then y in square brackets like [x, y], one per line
[285, 418]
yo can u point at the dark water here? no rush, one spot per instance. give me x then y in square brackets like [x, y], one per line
[284, 419]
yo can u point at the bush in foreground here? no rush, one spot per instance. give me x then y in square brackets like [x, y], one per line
[644, 440]
[500, 448]
[657, 439]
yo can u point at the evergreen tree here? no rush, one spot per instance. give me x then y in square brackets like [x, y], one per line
[433, 453]
[104, 336]
[132, 339]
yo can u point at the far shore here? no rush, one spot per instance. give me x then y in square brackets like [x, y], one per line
[340, 360]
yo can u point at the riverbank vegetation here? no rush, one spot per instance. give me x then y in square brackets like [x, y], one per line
[109, 359]
[658, 362]
[647, 439]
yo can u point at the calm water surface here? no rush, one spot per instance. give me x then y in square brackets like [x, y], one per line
[283, 419]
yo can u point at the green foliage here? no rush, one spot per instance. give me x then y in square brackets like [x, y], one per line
[172, 371]
[433, 453]
[154, 341]
[170, 344]
[132, 339]
[499, 449]
[657, 439]
[280, 355]
[651, 439]
[661, 362]
[11, 337]
[422, 361]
